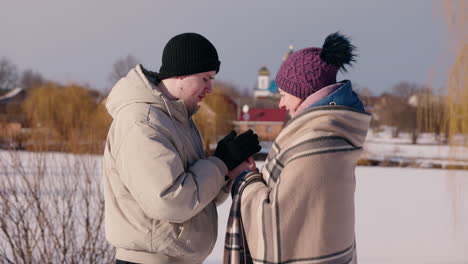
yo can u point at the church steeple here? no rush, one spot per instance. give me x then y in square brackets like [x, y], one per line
[263, 78]
[265, 86]
[263, 71]
[290, 51]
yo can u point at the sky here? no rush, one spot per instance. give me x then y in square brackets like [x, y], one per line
[79, 41]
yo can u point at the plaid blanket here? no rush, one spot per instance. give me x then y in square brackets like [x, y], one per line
[236, 249]
[300, 208]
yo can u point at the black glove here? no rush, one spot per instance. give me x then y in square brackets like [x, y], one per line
[234, 150]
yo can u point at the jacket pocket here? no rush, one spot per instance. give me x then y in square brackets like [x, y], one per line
[171, 239]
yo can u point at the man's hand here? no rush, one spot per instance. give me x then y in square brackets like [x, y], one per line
[233, 151]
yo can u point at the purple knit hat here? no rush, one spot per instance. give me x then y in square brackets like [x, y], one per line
[309, 70]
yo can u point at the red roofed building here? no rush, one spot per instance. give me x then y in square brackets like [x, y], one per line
[267, 123]
[260, 113]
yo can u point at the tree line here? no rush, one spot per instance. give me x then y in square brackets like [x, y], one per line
[72, 117]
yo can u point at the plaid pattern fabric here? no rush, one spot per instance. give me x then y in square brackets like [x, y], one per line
[236, 250]
[300, 208]
[235, 247]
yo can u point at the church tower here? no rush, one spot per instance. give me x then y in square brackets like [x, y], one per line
[263, 78]
[290, 51]
[265, 86]
[263, 83]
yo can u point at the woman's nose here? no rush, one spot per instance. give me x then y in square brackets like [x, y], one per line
[281, 104]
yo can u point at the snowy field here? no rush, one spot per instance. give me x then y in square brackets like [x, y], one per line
[403, 216]
[427, 152]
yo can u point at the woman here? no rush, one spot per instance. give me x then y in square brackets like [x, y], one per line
[300, 208]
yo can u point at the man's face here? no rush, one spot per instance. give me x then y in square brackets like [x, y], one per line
[194, 88]
[289, 102]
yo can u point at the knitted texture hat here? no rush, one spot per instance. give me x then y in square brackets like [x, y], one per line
[187, 54]
[309, 70]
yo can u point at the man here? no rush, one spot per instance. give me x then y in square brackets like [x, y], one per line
[160, 190]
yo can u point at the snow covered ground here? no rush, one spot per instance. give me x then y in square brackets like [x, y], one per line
[403, 216]
[427, 152]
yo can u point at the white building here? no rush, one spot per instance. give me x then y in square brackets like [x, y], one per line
[267, 87]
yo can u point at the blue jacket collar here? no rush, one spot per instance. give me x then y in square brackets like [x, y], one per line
[344, 96]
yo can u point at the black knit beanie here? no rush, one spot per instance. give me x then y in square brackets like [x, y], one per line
[186, 54]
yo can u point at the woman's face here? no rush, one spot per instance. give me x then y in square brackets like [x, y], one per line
[194, 88]
[289, 102]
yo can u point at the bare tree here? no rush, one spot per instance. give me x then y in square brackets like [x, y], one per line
[52, 209]
[399, 109]
[405, 90]
[30, 79]
[432, 113]
[364, 93]
[8, 74]
[121, 68]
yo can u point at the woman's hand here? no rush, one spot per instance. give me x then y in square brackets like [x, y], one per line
[252, 164]
[249, 164]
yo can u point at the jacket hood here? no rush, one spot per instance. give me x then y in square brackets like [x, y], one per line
[327, 120]
[340, 93]
[136, 88]
[343, 95]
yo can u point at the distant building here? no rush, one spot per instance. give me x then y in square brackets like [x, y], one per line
[261, 113]
[265, 86]
[267, 123]
[10, 106]
[12, 120]
[15, 94]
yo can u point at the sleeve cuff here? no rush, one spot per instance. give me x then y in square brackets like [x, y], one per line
[221, 165]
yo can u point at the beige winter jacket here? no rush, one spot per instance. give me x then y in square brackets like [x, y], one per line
[159, 188]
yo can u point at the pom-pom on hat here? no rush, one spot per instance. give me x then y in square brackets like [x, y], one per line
[309, 70]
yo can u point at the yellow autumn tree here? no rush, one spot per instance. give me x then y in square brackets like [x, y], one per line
[217, 111]
[457, 106]
[65, 118]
